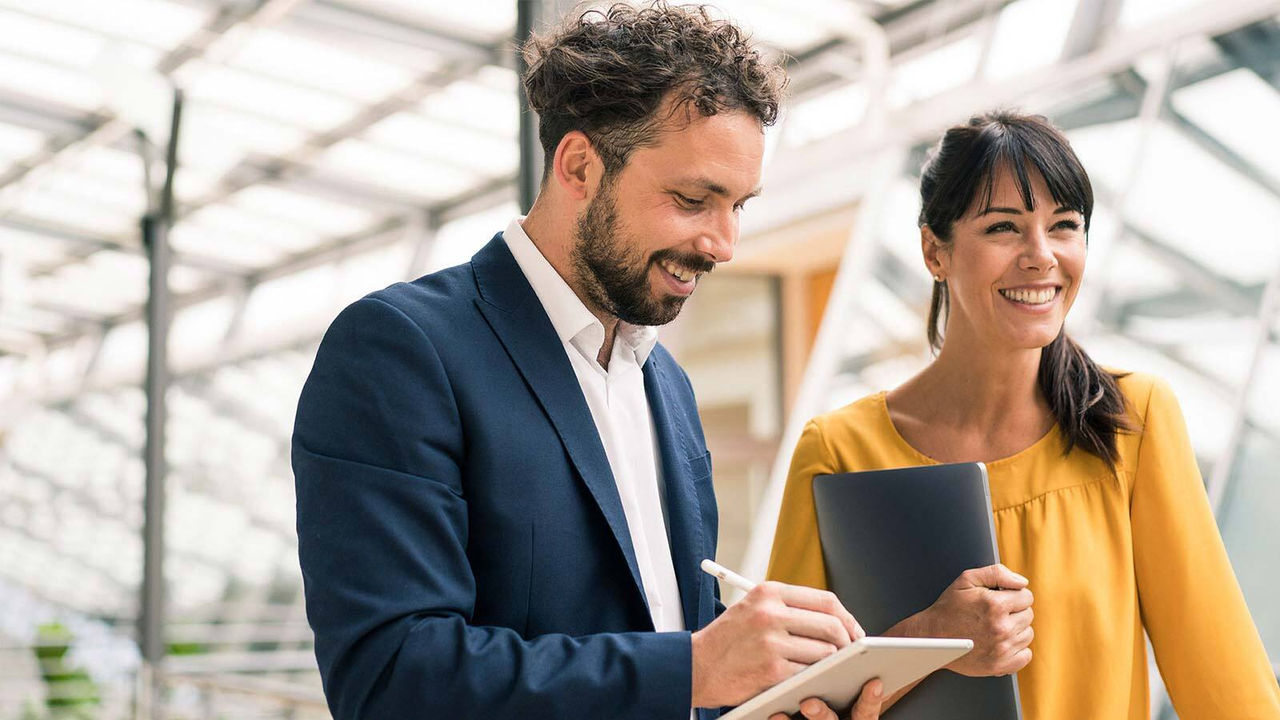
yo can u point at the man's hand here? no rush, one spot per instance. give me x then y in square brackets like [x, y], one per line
[989, 605]
[765, 638]
[867, 707]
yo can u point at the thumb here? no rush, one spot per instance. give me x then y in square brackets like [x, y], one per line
[997, 576]
[869, 701]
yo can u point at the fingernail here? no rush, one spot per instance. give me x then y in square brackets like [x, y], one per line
[876, 690]
[809, 707]
[1021, 579]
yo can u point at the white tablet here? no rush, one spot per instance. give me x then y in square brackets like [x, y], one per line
[839, 678]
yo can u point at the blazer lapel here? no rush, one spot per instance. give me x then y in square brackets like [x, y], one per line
[683, 512]
[517, 317]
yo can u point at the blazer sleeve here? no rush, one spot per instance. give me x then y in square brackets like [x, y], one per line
[1205, 642]
[797, 550]
[382, 521]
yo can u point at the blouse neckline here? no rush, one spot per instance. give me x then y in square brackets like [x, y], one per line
[882, 404]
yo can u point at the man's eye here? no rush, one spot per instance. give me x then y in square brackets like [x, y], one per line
[688, 201]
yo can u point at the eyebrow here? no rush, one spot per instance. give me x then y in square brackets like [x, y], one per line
[1016, 211]
[717, 189]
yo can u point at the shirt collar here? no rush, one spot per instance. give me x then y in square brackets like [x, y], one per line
[573, 322]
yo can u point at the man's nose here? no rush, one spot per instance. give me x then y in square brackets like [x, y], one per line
[717, 239]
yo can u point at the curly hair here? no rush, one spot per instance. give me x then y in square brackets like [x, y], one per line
[607, 73]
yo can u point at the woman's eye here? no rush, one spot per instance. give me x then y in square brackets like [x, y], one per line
[1001, 227]
[1071, 225]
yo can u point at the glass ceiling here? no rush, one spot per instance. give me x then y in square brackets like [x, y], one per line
[331, 147]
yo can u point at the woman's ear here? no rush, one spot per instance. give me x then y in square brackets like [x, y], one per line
[935, 256]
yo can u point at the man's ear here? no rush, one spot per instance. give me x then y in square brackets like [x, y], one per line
[936, 259]
[576, 167]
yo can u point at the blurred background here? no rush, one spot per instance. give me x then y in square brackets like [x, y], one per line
[327, 148]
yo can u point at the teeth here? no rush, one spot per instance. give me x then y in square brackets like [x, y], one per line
[680, 273]
[1031, 297]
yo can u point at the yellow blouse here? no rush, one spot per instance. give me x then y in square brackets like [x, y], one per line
[1105, 557]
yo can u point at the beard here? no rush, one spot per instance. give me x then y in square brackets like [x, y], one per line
[615, 277]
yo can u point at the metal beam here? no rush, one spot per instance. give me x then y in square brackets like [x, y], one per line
[528, 15]
[1089, 26]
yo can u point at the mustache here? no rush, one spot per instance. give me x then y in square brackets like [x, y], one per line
[696, 263]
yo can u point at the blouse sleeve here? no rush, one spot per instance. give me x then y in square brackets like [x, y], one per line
[1205, 642]
[797, 553]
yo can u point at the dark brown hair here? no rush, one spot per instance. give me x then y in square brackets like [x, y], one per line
[607, 72]
[959, 175]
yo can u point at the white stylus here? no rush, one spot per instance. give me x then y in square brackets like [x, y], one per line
[715, 569]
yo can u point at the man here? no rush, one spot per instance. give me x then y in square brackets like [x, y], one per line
[503, 488]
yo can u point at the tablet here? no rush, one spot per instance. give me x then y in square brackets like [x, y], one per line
[892, 541]
[839, 678]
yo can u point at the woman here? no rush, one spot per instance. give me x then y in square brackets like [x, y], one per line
[1097, 498]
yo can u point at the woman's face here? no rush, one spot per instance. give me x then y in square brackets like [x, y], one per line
[1012, 273]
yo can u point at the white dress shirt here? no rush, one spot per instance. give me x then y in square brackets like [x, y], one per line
[620, 409]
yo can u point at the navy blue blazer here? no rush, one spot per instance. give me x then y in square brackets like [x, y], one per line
[464, 550]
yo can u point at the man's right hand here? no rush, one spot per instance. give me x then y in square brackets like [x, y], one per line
[765, 638]
[989, 605]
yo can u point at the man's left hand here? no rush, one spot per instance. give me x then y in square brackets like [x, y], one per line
[867, 707]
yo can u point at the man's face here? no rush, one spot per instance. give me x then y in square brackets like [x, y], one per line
[667, 217]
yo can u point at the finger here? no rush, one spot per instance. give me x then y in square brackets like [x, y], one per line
[804, 650]
[821, 601]
[1024, 637]
[1019, 621]
[996, 576]
[816, 625]
[1019, 660]
[816, 709]
[1016, 600]
[869, 701]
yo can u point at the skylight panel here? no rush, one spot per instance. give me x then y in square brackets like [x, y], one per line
[17, 143]
[457, 240]
[1107, 150]
[260, 95]
[396, 171]
[88, 215]
[123, 353]
[1250, 128]
[1221, 347]
[49, 82]
[1262, 406]
[1205, 210]
[78, 185]
[825, 115]
[296, 59]
[1029, 35]
[49, 41]
[459, 146]
[154, 22]
[932, 72]
[214, 136]
[29, 247]
[117, 165]
[476, 104]
[1135, 13]
[790, 27]
[223, 245]
[273, 312]
[476, 18]
[270, 232]
[324, 216]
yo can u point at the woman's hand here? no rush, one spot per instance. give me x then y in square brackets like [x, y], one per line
[867, 707]
[990, 606]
